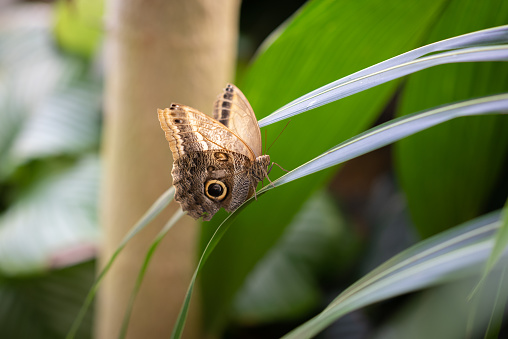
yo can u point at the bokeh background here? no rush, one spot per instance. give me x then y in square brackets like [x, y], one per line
[290, 253]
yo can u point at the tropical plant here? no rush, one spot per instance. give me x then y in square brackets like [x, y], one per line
[282, 259]
[325, 41]
[50, 104]
[449, 255]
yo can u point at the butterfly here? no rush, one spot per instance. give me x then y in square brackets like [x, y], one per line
[218, 161]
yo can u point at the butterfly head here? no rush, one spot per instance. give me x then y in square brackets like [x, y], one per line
[259, 170]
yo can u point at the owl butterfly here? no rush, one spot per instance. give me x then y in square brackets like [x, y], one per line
[217, 162]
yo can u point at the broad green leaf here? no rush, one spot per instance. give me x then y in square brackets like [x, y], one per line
[452, 169]
[361, 144]
[31, 70]
[43, 306]
[445, 257]
[57, 213]
[31, 67]
[285, 283]
[467, 48]
[67, 122]
[323, 42]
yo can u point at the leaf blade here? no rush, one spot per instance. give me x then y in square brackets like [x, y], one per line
[441, 266]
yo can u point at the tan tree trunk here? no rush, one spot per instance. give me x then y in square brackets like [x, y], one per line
[157, 52]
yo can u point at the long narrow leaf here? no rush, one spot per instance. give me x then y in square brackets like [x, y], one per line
[496, 35]
[451, 158]
[171, 222]
[365, 142]
[392, 131]
[501, 242]
[320, 43]
[496, 316]
[381, 73]
[152, 212]
[450, 254]
[219, 233]
[500, 245]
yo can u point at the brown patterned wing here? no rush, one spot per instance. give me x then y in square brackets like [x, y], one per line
[206, 181]
[233, 110]
[212, 165]
[189, 130]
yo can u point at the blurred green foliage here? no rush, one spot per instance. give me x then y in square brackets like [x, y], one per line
[291, 251]
[455, 169]
[79, 26]
[50, 105]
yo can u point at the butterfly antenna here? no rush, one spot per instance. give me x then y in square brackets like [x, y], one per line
[278, 136]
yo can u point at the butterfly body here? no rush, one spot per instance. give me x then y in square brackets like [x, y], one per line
[217, 162]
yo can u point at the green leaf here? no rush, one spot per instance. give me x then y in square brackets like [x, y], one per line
[501, 241]
[498, 304]
[154, 210]
[445, 257]
[452, 169]
[500, 245]
[392, 131]
[56, 214]
[442, 312]
[467, 48]
[171, 222]
[323, 42]
[285, 283]
[67, 122]
[361, 144]
[31, 67]
[32, 71]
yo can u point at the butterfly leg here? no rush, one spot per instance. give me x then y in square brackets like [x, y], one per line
[274, 163]
[255, 195]
[270, 169]
[267, 178]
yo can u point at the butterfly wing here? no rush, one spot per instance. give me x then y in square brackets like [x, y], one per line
[206, 181]
[187, 130]
[233, 110]
[211, 164]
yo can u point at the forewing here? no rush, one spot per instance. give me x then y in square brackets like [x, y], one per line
[188, 130]
[233, 110]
